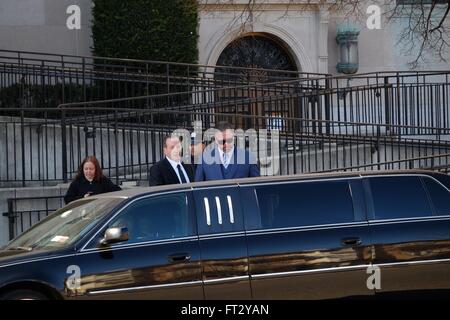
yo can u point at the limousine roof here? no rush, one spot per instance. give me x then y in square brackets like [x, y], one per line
[129, 193]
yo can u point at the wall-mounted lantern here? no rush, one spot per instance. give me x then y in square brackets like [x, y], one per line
[347, 39]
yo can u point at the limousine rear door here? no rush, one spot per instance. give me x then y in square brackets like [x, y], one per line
[161, 259]
[222, 243]
[411, 234]
[307, 240]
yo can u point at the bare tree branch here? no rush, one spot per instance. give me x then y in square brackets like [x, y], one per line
[421, 32]
[442, 20]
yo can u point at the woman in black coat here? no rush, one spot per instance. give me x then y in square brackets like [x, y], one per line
[88, 181]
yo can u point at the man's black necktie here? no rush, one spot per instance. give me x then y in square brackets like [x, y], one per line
[180, 172]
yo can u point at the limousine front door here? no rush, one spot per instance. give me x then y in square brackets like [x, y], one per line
[222, 243]
[305, 241]
[161, 259]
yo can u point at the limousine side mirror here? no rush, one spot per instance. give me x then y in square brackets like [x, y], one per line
[115, 234]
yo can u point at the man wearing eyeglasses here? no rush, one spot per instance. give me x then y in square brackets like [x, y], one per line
[224, 160]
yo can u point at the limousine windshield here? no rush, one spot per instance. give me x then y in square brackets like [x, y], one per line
[65, 226]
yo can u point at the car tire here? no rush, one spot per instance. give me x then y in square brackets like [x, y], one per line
[23, 295]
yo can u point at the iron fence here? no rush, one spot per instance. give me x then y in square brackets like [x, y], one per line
[128, 141]
[34, 80]
[24, 212]
[29, 79]
[322, 122]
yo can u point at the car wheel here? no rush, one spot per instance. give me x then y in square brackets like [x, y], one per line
[23, 295]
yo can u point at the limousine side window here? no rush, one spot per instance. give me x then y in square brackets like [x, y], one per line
[157, 218]
[439, 195]
[304, 204]
[397, 197]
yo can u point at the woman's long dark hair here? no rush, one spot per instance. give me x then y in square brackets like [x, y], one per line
[98, 171]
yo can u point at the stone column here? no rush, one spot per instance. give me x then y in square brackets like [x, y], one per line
[323, 39]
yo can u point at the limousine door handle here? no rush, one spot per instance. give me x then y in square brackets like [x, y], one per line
[179, 257]
[351, 242]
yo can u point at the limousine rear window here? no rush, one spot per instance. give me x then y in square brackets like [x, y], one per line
[399, 197]
[440, 197]
[304, 204]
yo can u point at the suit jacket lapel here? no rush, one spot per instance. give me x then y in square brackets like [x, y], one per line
[171, 174]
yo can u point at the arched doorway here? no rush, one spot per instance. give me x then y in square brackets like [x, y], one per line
[263, 59]
[259, 51]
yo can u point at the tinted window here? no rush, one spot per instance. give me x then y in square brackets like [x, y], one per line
[156, 218]
[439, 196]
[443, 178]
[306, 203]
[399, 197]
[66, 225]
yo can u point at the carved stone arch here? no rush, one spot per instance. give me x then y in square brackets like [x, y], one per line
[262, 52]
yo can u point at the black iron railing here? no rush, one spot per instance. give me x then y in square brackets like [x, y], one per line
[29, 79]
[24, 212]
[439, 163]
[128, 141]
[53, 113]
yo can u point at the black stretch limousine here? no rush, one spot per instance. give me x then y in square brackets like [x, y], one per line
[296, 237]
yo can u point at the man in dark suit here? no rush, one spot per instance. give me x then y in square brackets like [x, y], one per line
[171, 170]
[224, 160]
